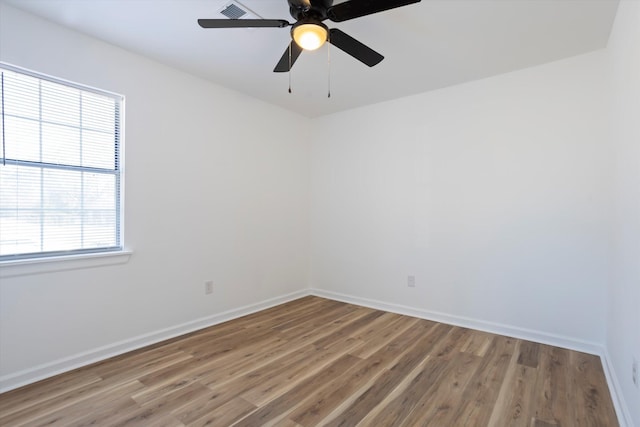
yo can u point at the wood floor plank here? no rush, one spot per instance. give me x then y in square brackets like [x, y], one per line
[277, 385]
[387, 356]
[529, 354]
[435, 408]
[77, 411]
[203, 405]
[286, 402]
[226, 414]
[430, 335]
[88, 393]
[373, 342]
[213, 348]
[592, 407]
[42, 391]
[259, 376]
[347, 330]
[199, 367]
[144, 367]
[317, 362]
[284, 312]
[539, 423]
[477, 343]
[319, 328]
[515, 397]
[99, 416]
[332, 310]
[279, 352]
[158, 410]
[482, 393]
[265, 319]
[376, 326]
[552, 391]
[322, 402]
[425, 381]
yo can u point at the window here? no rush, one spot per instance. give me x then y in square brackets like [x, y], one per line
[60, 167]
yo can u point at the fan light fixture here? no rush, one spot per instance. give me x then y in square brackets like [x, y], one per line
[309, 36]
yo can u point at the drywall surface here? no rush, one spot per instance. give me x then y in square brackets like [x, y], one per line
[214, 190]
[623, 326]
[494, 195]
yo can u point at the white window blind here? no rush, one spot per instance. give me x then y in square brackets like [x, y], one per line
[60, 167]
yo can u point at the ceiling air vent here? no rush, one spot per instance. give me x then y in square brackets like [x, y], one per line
[236, 10]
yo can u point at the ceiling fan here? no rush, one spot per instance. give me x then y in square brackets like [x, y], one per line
[309, 33]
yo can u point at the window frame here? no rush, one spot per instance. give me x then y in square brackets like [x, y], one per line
[118, 173]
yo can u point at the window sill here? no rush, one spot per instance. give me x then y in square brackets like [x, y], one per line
[26, 267]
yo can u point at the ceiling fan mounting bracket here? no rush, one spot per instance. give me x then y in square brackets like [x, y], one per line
[309, 9]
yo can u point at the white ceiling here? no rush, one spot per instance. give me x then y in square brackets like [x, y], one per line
[428, 45]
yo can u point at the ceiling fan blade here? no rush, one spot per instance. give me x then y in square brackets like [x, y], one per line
[242, 23]
[357, 8]
[353, 47]
[283, 64]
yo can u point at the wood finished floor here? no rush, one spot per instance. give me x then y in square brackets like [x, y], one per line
[320, 362]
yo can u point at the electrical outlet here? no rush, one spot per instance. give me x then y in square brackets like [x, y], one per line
[208, 287]
[634, 373]
[411, 281]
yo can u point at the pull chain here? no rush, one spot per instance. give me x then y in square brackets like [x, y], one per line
[290, 67]
[329, 66]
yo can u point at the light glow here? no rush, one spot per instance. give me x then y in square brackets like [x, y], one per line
[310, 36]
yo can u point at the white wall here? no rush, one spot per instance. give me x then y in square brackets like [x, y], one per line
[623, 326]
[494, 194]
[214, 190]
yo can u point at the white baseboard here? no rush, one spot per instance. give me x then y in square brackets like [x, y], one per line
[467, 322]
[40, 372]
[624, 418]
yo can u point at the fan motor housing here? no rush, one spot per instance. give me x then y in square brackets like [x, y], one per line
[317, 11]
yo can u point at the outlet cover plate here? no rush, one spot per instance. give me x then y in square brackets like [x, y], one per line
[411, 281]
